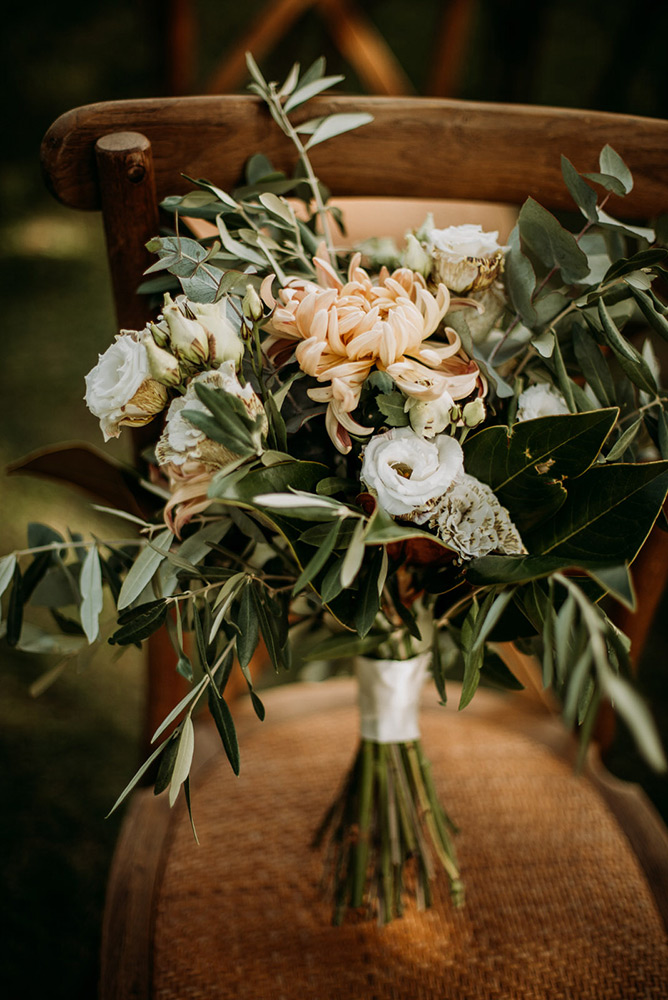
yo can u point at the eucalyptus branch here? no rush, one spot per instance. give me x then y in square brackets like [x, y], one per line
[281, 118]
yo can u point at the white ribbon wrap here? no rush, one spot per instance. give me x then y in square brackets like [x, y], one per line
[389, 698]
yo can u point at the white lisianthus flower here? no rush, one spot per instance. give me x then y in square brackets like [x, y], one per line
[181, 442]
[541, 400]
[429, 417]
[465, 258]
[471, 521]
[406, 471]
[223, 333]
[120, 390]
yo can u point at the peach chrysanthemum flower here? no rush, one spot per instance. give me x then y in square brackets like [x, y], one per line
[346, 330]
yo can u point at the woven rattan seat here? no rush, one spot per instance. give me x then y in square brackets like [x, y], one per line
[558, 904]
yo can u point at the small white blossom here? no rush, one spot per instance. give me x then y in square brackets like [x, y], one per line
[429, 417]
[465, 257]
[187, 337]
[120, 390]
[181, 442]
[470, 520]
[541, 400]
[406, 471]
[222, 330]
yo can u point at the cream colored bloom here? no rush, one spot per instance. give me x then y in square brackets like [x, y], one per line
[346, 330]
[181, 442]
[222, 329]
[465, 257]
[541, 400]
[406, 471]
[430, 417]
[120, 390]
[471, 521]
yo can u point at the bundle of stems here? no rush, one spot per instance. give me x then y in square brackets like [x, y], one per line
[387, 834]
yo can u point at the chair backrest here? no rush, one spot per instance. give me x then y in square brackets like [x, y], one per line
[123, 157]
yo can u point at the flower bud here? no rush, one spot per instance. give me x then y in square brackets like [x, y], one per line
[160, 333]
[225, 343]
[187, 337]
[474, 413]
[430, 417]
[416, 257]
[252, 304]
[163, 366]
[466, 259]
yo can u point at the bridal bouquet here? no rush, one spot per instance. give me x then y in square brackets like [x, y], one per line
[394, 455]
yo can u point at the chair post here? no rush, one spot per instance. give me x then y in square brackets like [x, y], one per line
[131, 217]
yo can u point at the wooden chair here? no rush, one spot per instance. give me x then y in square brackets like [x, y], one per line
[122, 158]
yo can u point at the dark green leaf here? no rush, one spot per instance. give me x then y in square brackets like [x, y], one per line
[225, 726]
[520, 279]
[607, 515]
[144, 621]
[594, 366]
[545, 240]
[247, 622]
[525, 469]
[656, 320]
[164, 775]
[321, 556]
[368, 600]
[582, 194]
[632, 362]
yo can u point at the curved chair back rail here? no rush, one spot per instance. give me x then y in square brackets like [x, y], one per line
[422, 147]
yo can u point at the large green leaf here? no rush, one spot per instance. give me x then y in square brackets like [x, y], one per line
[526, 467]
[544, 239]
[607, 514]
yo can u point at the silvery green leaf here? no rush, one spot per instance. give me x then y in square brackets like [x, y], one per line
[192, 550]
[90, 585]
[143, 569]
[354, 555]
[123, 514]
[278, 206]
[613, 165]
[254, 71]
[176, 711]
[7, 565]
[36, 640]
[582, 194]
[240, 250]
[639, 279]
[306, 92]
[545, 239]
[338, 125]
[637, 716]
[520, 279]
[290, 81]
[544, 344]
[183, 760]
[643, 231]
[624, 441]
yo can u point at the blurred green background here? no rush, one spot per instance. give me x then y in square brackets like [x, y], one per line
[65, 755]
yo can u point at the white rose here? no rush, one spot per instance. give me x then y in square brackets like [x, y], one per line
[120, 390]
[465, 258]
[540, 400]
[406, 471]
[430, 417]
[222, 328]
[471, 521]
[181, 442]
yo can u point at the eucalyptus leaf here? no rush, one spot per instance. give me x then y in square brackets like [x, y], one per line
[184, 757]
[545, 240]
[90, 585]
[337, 124]
[305, 91]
